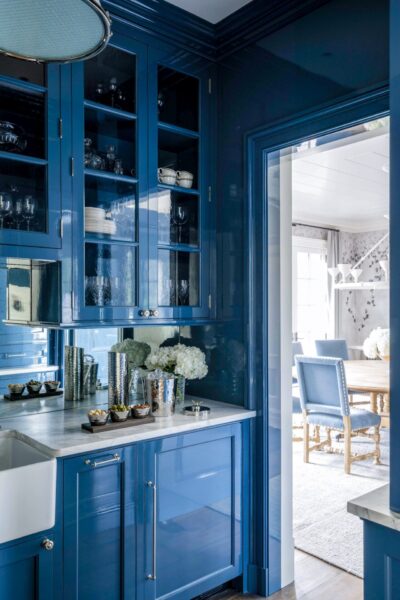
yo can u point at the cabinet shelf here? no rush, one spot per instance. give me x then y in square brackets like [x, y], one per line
[24, 158]
[179, 248]
[363, 285]
[177, 188]
[104, 238]
[110, 175]
[115, 112]
[180, 130]
[19, 84]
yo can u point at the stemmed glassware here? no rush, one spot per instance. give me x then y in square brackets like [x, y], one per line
[29, 209]
[183, 292]
[180, 216]
[18, 212]
[5, 206]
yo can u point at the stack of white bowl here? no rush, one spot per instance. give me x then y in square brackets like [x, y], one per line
[96, 221]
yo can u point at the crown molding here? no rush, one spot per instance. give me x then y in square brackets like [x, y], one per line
[168, 23]
[258, 19]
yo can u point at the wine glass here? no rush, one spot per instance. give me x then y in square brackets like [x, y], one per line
[29, 210]
[183, 292]
[180, 217]
[18, 212]
[5, 206]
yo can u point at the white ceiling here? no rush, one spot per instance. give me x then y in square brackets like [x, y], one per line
[346, 187]
[210, 10]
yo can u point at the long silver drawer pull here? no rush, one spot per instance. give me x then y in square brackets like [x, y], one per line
[99, 463]
[153, 576]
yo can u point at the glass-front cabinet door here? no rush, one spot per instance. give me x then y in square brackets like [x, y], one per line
[30, 133]
[110, 184]
[179, 193]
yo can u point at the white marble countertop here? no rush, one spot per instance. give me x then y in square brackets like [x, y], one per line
[59, 433]
[374, 507]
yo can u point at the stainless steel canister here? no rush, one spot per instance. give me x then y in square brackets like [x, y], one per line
[118, 378]
[90, 370]
[73, 373]
[160, 390]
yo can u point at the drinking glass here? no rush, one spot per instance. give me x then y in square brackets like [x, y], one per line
[29, 210]
[180, 217]
[18, 212]
[183, 292]
[5, 206]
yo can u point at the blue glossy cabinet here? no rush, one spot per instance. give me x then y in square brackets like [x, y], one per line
[99, 525]
[30, 150]
[26, 569]
[191, 502]
[156, 519]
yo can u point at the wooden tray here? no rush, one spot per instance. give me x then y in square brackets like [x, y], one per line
[131, 422]
[33, 396]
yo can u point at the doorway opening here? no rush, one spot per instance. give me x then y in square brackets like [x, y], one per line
[328, 238]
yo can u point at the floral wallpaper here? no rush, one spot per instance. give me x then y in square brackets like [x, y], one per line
[362, 310]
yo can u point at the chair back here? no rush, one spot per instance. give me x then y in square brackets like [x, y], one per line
[335, 348]
[297, 348]
[322, 383]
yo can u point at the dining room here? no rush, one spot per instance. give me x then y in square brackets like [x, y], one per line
[340, 336]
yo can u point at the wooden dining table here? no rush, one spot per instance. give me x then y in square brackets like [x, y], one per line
[370, 377]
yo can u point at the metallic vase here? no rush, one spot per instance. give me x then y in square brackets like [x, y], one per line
[118, 378]
[90, 370]
[73, 373]
[160, 390]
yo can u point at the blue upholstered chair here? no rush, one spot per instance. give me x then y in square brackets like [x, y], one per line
[334, 348]
[325, 402]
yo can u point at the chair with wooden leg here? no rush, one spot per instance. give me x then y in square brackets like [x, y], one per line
[325, 402]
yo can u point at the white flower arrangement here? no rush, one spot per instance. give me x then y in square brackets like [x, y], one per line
[187, 361]
[377, 344]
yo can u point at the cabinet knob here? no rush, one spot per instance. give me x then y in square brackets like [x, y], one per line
[144, 313]
[154, 313]
[47, 544]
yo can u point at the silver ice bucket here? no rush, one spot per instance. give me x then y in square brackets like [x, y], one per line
[118, 378]
[160, 390]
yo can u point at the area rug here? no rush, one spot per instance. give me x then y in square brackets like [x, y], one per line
[321, 490]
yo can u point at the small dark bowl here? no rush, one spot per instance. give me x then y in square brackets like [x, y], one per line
[118, 416]
[34, 389]
[51, 386]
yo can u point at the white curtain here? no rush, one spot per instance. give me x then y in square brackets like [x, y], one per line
[332, 261]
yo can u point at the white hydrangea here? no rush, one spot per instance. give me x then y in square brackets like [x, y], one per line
[188, 361]
[377, 344]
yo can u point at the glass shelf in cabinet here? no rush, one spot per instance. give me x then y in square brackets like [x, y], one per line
[110, 79]
[178, 219]
[110, 175]
[179, 130]
[110, 274]
[178, 278]
[110, 143]
[22, 121]
[179, 189]
[116, 112]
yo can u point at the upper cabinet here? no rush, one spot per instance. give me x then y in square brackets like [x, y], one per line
[30, 134]
[111, 166]
[110, 184]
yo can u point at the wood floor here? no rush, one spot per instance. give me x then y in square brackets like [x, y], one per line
[315, 580]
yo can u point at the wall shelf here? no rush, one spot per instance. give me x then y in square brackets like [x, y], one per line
[363, 285]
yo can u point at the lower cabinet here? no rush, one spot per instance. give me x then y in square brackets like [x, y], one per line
[26, 569]
[177, 500]
[191, 504]
[381, 562]
[99, 525]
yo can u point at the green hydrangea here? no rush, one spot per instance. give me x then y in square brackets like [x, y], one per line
[137, 352]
